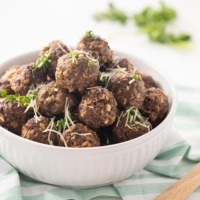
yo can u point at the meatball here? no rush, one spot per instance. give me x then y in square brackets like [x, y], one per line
[128, 89]
[148, 80]
[10, 72]
[25, 77]
[33, 130]
[130, 125]
[77, 70]
[5, 85]
[123, 62]
[79, 135]
[56, 49]
[51, 99]
[98, 47]
[13, 115]
[97, 108]
[155, 105]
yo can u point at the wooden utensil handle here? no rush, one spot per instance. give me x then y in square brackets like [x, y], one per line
[183, 187]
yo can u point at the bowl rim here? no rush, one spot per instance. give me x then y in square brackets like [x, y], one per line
[99, 149]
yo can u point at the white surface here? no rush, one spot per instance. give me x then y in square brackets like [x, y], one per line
[32, 24]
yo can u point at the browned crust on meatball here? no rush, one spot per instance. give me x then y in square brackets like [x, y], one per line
[148, 80]
[97, 108]
[57, 49]
[123, 62]
[25, 77]
[76, 75]
[5, 85]
[33, 130]
[12, 115]
[79, 135]
[126, 92]
[122, 133]
[51, 99]
[155, 105]
[98, 47]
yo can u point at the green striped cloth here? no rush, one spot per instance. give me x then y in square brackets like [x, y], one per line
[181, 153]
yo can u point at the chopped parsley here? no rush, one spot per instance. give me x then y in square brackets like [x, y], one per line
[112, 14]
[74, 56]
[25, 100]
[92, 62]
[43, 61]
[152, 22]
[90, 34]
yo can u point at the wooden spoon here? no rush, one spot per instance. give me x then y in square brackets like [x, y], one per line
[183, 187]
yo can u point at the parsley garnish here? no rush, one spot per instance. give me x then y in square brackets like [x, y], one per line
[92, 62]
[113, 14]
[43, 61]
[135, 77]
[103, 79]
[65, 122]
[25, 100]
[154, 23]
[90, 34]
[74, 56]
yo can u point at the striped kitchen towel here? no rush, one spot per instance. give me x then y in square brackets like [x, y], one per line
[180, 154]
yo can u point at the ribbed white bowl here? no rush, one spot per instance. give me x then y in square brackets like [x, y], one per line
[88, 167]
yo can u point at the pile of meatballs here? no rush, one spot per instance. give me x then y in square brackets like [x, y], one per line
[85, 96]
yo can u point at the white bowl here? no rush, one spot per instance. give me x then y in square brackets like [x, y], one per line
[87, 167]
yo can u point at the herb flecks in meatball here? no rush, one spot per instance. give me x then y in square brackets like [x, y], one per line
[79, 135]
[98, 47]
[76, 71]
[128, 89]
[51, 99]
[26, 77]
[155, 105]
[55, 49]
[97, 108]
[34, 130]
[131, 124]
[13, 115]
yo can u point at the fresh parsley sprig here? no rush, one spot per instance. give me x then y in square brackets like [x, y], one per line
[43, 61]
[103, 79]
[149, 16]
[134, 117]
[113, 14]
[74, 56]
[65, 122]
[154, 24]
[92, 62]
[90, 34]
[25, 100]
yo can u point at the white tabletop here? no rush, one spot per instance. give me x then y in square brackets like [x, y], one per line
[27, 25]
